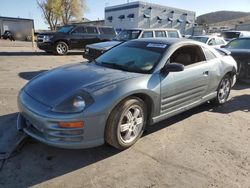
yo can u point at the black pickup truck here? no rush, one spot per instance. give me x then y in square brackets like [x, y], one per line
[73, 37]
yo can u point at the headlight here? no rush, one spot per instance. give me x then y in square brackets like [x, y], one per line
[86, 50]
[47, 38]
[79, 102]
[75, 103]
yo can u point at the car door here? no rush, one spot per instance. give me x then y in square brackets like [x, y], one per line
[77, 37]
[183, 90]
[91, 36]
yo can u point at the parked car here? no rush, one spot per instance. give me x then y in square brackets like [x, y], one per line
[73, 37]
[113, 98]
[240, 50]
[8, 35]
[93, 51]
[210, 40]
[230, 34]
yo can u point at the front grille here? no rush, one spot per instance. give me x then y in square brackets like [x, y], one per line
[94, 53]
[40, 38]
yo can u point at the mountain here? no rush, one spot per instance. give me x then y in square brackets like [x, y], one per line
[220, 16]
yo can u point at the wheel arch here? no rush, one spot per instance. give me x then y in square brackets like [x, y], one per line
[62, 40]
[147, 99]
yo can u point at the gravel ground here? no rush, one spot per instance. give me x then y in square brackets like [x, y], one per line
[204, 147]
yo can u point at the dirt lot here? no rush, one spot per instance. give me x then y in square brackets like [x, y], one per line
[204, 147]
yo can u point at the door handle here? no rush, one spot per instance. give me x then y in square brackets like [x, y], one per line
[205, 73]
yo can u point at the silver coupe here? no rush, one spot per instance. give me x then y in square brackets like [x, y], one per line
[113, 98]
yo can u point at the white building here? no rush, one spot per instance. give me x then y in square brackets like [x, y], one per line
[147, 15]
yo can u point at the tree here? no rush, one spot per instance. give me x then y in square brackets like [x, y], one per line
[56, 11]
[72, 9]
[52, 12]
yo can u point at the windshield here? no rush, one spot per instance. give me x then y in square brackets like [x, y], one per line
[65, 29]
[133, 56]
[126, 35]
[240, 43]
[200, 39]
[230, 35]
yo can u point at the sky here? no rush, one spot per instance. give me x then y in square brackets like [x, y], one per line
[29, 8]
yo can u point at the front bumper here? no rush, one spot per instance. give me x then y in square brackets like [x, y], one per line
[48, 46]
[46, 130]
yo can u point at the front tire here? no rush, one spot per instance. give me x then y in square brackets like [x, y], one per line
[223, 90]
[126, 123]
[61, 48]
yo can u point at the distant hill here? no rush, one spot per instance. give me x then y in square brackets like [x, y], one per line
[220, 16]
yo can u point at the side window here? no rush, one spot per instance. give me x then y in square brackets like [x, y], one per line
[147, 34]
[188, 55]
[160, 34]
[211, 42]
[208, 54]
[91, 30]
[78, 30]
[173, 34]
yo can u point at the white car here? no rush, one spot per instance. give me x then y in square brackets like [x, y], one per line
[210, 40]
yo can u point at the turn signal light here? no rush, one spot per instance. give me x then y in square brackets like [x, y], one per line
[77, 124]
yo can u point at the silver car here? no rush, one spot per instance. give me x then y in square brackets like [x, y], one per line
[131, 86]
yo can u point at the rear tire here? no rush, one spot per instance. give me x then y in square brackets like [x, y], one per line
[223, 90]
[126, 123]
[61, 48]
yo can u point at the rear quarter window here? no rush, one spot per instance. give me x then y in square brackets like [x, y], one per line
[208, 54]
[173, 34]
[108, 31]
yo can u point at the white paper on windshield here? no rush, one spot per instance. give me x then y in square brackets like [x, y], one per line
[156, 45]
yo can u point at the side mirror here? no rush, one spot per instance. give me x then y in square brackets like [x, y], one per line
[173, 67]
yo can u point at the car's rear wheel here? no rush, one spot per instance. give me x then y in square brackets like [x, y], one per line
[61, 48]
[126, 123]
[223, 90]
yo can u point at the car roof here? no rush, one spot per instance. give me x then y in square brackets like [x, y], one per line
[75, 25]
[152, 29]
[168, 41]
[207, 36]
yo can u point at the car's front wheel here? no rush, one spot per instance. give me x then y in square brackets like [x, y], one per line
[126, 123]
[223, 90]
[61, 48]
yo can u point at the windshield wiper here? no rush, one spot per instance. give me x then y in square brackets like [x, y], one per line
[115, 66]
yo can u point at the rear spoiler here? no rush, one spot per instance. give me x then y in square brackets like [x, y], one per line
[223, 51]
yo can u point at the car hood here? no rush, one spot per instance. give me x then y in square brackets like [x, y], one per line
[239, 53]
[104, 45]
[54, 86]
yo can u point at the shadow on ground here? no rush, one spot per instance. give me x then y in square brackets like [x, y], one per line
[35, 53]
[30, 75]
[45, 162]
[241, 85]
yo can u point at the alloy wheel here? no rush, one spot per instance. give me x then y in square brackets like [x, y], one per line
[131, 124]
